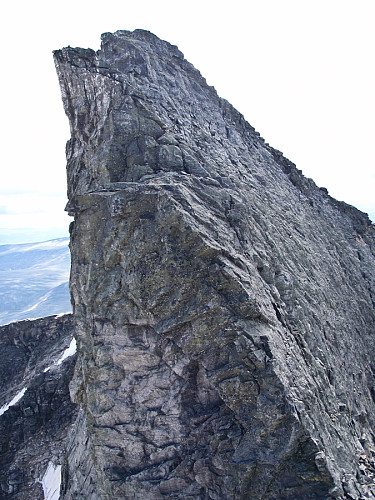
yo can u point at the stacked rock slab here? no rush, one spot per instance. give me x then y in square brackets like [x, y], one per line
[224, 305]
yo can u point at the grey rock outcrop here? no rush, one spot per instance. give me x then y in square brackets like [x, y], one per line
[224, 305]
[36, 412]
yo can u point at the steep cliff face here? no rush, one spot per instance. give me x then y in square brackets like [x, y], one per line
[224, 305]
[36, 366]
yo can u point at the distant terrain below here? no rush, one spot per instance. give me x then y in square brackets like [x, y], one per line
[34, 280]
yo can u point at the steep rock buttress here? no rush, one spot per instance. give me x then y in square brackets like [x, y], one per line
[224, 305]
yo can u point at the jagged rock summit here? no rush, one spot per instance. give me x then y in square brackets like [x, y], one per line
[224, 305]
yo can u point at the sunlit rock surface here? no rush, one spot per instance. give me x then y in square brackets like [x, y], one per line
[224, 305]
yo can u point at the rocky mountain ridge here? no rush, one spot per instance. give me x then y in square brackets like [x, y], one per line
[36, 365]
[223, 304]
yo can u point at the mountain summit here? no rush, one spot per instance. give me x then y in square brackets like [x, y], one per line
[223, 304]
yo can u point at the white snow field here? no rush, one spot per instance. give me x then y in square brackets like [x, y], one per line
[34, 280]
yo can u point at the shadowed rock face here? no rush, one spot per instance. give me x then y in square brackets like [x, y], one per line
[34, 430]
[224, 305]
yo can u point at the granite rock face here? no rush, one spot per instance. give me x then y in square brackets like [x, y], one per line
[36, 412]
[224, 305]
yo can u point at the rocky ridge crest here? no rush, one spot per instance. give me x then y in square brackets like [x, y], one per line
[224, 305]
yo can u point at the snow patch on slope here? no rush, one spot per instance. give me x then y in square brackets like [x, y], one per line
[69, 351]
[15, 400]
[51, 482]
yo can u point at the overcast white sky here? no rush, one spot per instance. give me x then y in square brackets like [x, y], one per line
[302, 72]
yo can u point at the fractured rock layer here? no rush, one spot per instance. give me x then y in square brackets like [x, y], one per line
[224, 305]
